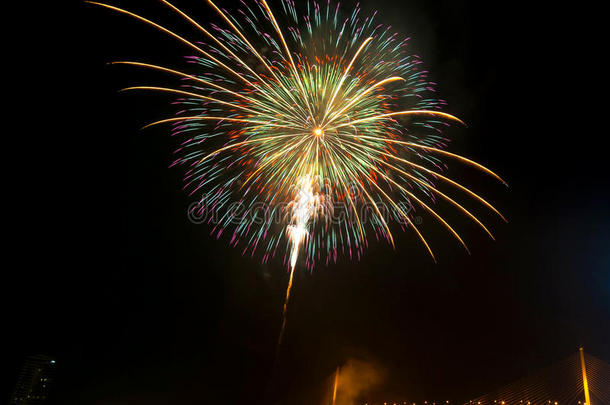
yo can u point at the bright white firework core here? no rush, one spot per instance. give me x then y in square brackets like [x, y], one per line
[304, 206]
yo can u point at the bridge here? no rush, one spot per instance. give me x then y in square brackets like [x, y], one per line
[579, 379]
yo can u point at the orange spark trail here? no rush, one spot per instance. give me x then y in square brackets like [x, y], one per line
[336, 385]
[282, 330]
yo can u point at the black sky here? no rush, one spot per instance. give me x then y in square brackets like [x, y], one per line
[139, 306]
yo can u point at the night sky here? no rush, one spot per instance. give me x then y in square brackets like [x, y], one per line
[139, 306]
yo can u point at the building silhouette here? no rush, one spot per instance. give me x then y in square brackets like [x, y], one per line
[34, 381]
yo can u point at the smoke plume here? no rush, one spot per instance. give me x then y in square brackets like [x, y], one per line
[356, 378]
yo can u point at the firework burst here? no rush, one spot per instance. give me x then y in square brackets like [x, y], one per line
[324, 122]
